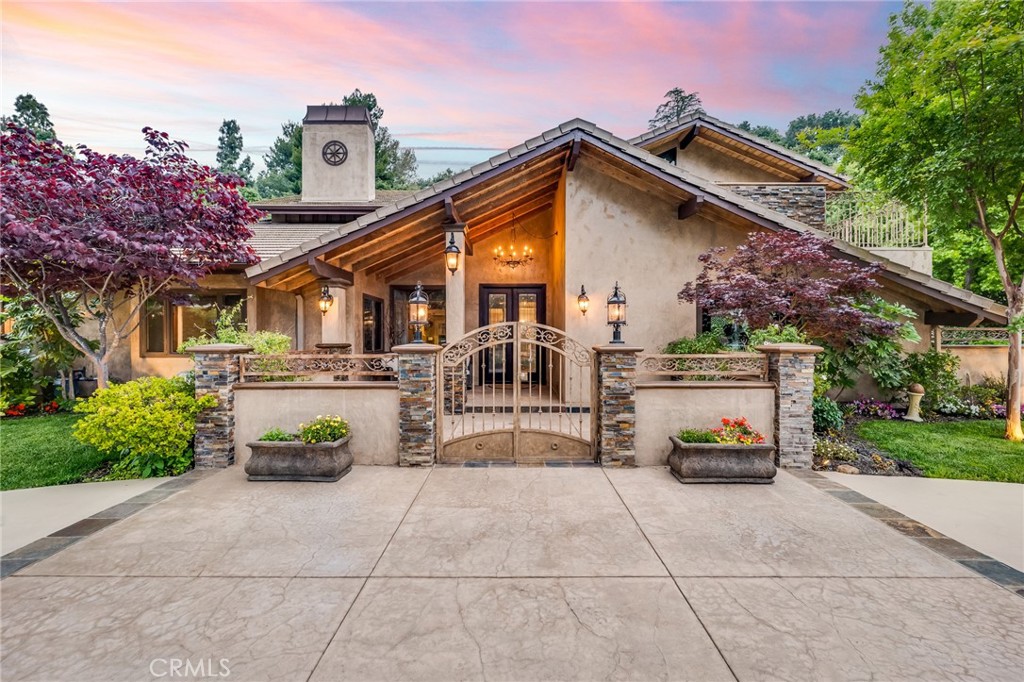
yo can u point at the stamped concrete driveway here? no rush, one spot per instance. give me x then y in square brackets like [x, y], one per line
[504, 574]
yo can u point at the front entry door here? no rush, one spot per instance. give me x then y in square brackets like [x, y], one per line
[512, 304]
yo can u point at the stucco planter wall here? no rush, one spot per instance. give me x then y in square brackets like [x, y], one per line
[722, 463]
[296, 461]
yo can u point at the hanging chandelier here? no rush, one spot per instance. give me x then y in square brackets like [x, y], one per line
[513, 256]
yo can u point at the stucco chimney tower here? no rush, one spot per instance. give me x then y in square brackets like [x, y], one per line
[338, 160]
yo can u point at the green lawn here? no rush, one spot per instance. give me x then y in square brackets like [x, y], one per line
[973, 450]
[37, 451]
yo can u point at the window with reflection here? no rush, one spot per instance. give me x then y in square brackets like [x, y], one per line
[169, 322]
[433, 332]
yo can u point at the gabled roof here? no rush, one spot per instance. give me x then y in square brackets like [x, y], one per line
[576, 132]
[702, 124]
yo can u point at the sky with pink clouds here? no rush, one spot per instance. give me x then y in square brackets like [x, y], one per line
[484, 76]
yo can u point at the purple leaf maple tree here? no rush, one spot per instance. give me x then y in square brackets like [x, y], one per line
[101, 234]
[791, 279]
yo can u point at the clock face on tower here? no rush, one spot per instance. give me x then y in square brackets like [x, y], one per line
[335, 153]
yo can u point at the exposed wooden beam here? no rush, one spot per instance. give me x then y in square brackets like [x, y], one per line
[551, 148]
[410, 240]
[412, 265]
[691, 207]
[574, 154]
[688, 138]
[498, 224]
[450, 213]
[330, 272]
[430, 247]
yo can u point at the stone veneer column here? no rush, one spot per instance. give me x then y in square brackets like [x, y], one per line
[791, 369]
[614, 424]
[417, 403]
[216, 374]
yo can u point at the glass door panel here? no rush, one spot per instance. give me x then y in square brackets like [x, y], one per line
[526, 309]
[496, 359]
[511, 304]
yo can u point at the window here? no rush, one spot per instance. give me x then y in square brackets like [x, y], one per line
[433, 332]
[168, 323]
[373, 324]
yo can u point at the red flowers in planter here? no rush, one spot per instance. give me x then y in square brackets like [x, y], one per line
[737, 432]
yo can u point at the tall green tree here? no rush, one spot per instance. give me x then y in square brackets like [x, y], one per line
[821, 136]
[283, 173]
[764, 132]
[229, 151]
[396, 167]
[32, 114]
[678, 103]
[943, 125]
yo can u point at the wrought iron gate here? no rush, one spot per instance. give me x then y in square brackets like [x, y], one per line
[516, 391]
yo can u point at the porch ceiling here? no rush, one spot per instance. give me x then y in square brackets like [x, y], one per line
[415, 240]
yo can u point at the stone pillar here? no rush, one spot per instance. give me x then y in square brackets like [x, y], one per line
[217, 372]
[791, 369]
[417, 403]
[614, 424]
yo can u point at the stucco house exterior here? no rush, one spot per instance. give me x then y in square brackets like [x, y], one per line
[513, 364]
[594, 208]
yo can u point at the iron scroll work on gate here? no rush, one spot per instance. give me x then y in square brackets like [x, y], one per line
[516, 391]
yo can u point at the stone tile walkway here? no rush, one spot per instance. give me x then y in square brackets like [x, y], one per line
[543, 573]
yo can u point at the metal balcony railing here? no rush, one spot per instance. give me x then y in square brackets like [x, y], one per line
[871, 221]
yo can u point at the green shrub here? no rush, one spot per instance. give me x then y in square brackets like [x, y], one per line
[826, 415]
[323, 429]
[774, 333]
[149, 423]
[826, 449]
[277, 435]
[18, 384]
[936, 372]
[702, 344]
[697, 436]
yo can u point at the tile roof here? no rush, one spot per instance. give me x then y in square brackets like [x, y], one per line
[271, 239]
[565, 133]
[383, 198]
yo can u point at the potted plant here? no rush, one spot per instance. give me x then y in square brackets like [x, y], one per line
[318, 452]
[732, 453]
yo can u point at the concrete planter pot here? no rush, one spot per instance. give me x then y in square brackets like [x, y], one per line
[721, 463]
[297, 461]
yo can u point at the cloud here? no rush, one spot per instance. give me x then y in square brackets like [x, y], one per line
[463, 74]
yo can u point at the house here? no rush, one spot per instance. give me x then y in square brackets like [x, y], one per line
[594, 209]
[573, 213]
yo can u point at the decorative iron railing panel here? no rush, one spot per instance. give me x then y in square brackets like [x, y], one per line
[870, 220]
[717, 367]
[515, 377]
[975, 336]
[318, 367]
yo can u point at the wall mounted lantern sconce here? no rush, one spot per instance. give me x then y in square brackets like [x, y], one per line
[617, 313]
[418, 306]
[326, 300]
[583, 301]
[451, 254]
